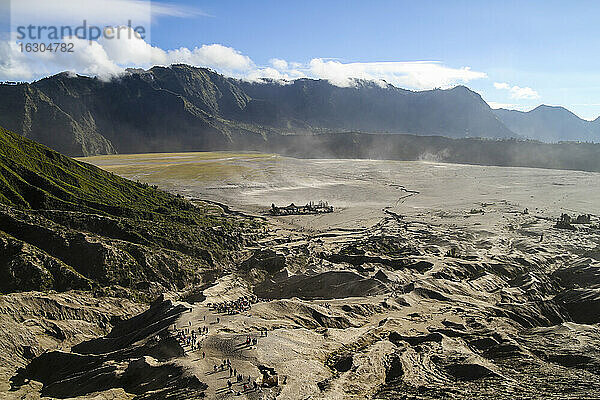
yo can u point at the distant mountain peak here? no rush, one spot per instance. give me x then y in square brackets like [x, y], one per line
[550, 124]
[548, 108]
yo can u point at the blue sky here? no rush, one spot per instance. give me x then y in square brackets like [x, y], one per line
[518, 54]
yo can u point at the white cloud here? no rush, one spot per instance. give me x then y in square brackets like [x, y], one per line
[517, 92]
[279, 64]
[88, 58]
[510, 106]
[523, 93]
[266, 73]
[258, 73]
[108, 57]
[215, 56]
[130, 49]
[91, 58]
[13, 63]
[105, 12]
[496, 105]
[414, 75]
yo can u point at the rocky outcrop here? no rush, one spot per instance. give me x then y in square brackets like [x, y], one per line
[266, 259]
[135, 356]
[33, 323]
[42, 254]
[327, 285]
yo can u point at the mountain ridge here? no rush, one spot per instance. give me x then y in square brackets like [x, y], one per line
[186, 108]
[181, 107]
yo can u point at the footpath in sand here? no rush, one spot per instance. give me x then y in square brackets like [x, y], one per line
[223, 352]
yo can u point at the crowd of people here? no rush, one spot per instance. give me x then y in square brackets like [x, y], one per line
[245, 386]
[192, 338]
[246, 382]
[241, 304]
[250, 341]
[188, 337]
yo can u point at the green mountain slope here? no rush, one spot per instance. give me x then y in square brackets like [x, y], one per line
[33, 176]
[65, 224]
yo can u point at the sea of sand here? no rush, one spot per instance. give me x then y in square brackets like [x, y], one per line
[428, 281]
[360, 190]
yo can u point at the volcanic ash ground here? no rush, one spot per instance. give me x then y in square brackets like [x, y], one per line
[485, 297]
